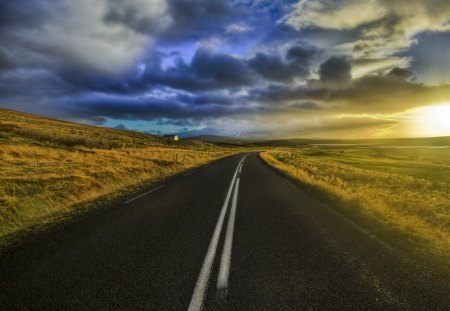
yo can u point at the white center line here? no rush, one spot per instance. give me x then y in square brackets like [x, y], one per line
[202, 281]
[135, 198]
[224, 271]
[187, 174]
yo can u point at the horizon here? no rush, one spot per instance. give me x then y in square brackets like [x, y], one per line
[251, 139]
[239, 69]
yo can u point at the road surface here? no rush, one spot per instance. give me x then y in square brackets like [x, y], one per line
[234, 235]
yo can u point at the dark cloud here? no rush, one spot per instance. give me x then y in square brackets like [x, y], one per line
[272, 67]
[195, 19]
[400, 73]
[207, 71]
[295, 64]
[15, 15]
[147, 108]
[388, 93]
[301, 54]
[206, 99]
[224, 69]
[335, 72]
[131, 14]
[306, 106]
[182, 20]
[5, 60]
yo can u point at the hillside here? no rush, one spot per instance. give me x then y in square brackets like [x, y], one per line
[19, 127]
[51, 168]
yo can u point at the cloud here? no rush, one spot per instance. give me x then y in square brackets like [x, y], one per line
[334, 14]
[101, 36]
[358, 126]
[224, 69]
[368, 66]
[387, 94]
[238, 28]
[377, 94]
[130, 107]
[173, 20]
[296, 63]
[69, 34]
[207, 99]
[272, 67]
[143, 16]
[207, 71]
[400, 73]
[306, 105]
[335, 72]
[384, 26]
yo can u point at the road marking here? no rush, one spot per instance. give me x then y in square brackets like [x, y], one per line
[225, 260]
[187, 174]
[224, 271]
[202, 281]
[141, 195]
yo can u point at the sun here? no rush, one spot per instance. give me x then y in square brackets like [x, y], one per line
[437, 119]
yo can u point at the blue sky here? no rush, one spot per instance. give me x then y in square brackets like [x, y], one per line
[310, 68]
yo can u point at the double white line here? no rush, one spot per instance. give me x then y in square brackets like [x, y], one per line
[222, 281]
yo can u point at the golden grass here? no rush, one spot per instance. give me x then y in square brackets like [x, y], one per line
[49, 168]
[412, 211]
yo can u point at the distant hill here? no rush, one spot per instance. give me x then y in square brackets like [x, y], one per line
[225, 140]
[420, 141]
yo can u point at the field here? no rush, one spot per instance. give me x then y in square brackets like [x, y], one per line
[402, 193]
[51, 168]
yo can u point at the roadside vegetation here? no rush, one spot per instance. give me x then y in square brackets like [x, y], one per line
[401, 193]
[51, 168]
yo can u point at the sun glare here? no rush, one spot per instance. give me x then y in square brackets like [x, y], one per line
[436, 119]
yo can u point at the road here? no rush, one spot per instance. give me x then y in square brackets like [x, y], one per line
[234, 235]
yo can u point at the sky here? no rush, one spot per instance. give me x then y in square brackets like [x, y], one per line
[241, 68]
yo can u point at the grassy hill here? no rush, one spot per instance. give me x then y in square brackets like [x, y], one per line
[51, 168]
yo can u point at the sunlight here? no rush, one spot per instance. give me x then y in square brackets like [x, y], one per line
[436, 119]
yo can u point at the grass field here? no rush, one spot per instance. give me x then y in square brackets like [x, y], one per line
[50, 168]
[402, 193]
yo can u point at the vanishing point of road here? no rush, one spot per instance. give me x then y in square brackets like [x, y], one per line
[234, 235]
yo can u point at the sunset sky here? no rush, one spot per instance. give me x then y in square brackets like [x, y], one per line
[261, 69]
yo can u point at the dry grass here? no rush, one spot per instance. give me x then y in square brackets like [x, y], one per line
[49, 167]
[403, 192]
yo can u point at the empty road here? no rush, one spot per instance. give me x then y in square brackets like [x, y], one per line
[234, 235]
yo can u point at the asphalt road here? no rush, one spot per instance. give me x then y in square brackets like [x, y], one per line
[224, 237]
